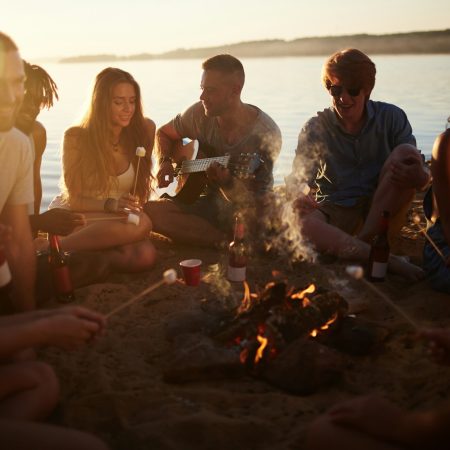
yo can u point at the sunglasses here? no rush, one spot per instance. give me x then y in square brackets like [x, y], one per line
[336, 91]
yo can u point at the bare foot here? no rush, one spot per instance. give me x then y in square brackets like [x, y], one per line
[400, 266]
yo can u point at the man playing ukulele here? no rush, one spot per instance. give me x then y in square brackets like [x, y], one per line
[222, 124]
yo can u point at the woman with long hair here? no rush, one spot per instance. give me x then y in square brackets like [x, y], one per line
[104, 178]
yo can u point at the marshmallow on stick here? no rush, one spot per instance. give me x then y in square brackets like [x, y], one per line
[169, 277]
[357, 272]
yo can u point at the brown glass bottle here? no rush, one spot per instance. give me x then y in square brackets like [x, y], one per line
[5, 277]
[237, 253]
[379, 251]
[62, 282]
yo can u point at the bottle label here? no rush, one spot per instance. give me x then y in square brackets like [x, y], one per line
[379, 270]
[236, 273]
[61, 280]
[5, 274]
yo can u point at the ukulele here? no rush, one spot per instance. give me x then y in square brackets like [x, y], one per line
[190, 177]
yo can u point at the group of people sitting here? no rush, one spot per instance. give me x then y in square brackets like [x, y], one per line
[358, 156]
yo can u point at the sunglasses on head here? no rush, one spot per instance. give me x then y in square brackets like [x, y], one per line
[336, 91]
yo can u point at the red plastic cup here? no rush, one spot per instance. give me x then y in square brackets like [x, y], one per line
[191, 271]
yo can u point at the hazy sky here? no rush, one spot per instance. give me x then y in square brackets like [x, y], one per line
[55, 28]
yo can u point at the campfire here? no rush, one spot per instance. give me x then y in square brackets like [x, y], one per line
[294, 338]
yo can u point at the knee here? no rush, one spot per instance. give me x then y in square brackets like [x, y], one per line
[144, 228]
[48, 379]
[402, 152]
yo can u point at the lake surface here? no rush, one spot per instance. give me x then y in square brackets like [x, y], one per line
[288, 89]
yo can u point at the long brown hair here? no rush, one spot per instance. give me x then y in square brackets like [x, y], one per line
[91, 171]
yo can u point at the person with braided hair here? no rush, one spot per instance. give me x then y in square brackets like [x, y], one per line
[40, 92]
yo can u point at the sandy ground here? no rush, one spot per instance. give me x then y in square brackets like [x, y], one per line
[115, 388]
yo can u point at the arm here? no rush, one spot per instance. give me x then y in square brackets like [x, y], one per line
[21, 256]
[440, 169]
[66, 328]
[166, 139]
[39, 136]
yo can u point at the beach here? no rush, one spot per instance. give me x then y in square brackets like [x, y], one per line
[116, 387]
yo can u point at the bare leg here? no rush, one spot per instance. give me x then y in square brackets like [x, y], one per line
[324, 435]
[329, 239]
[19, 435]
[102, 235]
[168, 219]
[389, 197]
[28, 390]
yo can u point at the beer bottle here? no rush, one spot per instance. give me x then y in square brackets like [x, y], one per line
[379, 251]
[237, 252]
[62, 283]
[5, 277]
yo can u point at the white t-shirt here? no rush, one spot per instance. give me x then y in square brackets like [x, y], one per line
[16, 169]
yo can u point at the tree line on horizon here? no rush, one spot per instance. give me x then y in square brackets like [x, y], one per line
[419, 42]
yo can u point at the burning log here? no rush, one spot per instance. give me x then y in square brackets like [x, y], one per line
[287, 315]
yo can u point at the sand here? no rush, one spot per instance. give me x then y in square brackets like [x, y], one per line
[115, 387]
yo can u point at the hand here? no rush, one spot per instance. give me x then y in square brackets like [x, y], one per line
[60, 221]
[218, 175]
[5, 233]
[409, 173]
[305, 204]
[438, 344]
[372, 415]
[128, 203]
[165, 174]
[71, 327]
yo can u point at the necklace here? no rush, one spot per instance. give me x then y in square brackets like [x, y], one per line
[115, 145]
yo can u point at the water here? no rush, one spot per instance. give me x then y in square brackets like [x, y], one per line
[288, 89]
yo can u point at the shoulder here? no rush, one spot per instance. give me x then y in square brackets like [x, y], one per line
[149, 126]
[74, 132]
[266, 122]
[441, 147]
[386, 109]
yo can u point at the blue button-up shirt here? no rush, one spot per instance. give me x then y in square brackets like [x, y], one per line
[345, 167]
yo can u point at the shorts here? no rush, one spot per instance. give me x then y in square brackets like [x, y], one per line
[349, 219]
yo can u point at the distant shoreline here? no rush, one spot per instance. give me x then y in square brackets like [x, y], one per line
[420, 42]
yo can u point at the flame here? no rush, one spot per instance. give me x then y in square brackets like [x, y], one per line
[333, 319]
[309, 290]
[246, 300]
[263, 344]
[302, 295]
[325, 326]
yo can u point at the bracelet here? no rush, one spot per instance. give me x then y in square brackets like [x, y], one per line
[164, 159]
[111, 205]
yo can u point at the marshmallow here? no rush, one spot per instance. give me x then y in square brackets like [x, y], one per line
[357, 272]
[170, 276]
[140, 151]
[133, 218]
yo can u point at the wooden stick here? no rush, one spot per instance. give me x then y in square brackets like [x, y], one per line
[406, 316]
[136, 177]
[100, 219]
[169, 277]
[438, 251]
[357, 272]
[416, 220]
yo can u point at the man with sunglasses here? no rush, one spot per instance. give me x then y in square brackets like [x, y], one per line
[360, 158]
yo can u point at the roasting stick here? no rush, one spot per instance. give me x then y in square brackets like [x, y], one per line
[357, 272]
[416, 220]
[169, 277]
[140, 153]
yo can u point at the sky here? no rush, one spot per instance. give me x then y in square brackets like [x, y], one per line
[61, 28]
